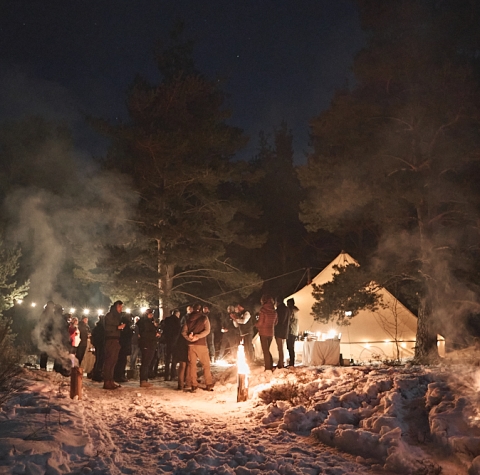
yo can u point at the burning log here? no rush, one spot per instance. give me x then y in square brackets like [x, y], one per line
[76, 378]
[242, 375]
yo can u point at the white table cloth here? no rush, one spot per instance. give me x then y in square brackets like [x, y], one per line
[317, 353]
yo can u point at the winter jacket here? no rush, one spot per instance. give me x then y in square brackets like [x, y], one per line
[84, 330]
[283, 324]
[147, 332]
[245, 323]
[74, 335]
[98, 333]
[294, 321]
[112, 320]
[267, 319]
[126, 334]
[198, 325]
[171, 329]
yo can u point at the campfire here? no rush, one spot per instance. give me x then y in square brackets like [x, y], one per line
[243, 371]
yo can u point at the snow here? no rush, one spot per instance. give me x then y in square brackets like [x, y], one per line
[325, 420]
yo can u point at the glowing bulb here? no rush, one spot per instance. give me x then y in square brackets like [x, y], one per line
[348, 314]
[33, 304]
[72, 310]
[128, 310]
[86, 311]
[403, 345]
[19, 301]
[143, 309]
[367, 345]
[331, 334]
[99, 311]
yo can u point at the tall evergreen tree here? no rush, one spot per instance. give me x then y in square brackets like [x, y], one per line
[278, 193]
[399, 153]
[178, 149]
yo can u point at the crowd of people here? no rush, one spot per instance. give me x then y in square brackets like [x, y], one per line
[178, 343]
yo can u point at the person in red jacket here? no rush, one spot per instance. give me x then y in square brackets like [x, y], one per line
[267, 320]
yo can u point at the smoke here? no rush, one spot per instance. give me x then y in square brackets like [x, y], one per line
[440, 268]
[52, 229]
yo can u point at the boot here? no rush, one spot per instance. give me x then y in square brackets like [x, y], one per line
[110, 385]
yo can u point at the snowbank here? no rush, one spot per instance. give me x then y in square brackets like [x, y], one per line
[409, 420]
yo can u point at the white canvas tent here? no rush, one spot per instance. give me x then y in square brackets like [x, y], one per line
[371, 335]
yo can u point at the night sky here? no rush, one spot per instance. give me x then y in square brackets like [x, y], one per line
[282, 60]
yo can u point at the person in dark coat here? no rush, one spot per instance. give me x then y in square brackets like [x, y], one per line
[135, 348]
[211, 336]
[46, 331]
[171, 332]
[245, 327]
[148, 335]
[230, 335]
[113, 327]
[281, 330]
[84, 330]
[180, 356]
[98, 342]
[293, 331]
[125, 349]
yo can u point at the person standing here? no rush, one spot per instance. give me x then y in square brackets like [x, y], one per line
[195, 331]
[125, 349]
[98, 341]
[171, 332]
[230, 335]
[245, 327]
[45, 331]
[148, 335]
[84, 330]
[292, 331]
[188, 312]
[135, 348]
[281, 330]
[113, 327]
[181, 357]
[267, 320]
[74, 335]
[211, 335]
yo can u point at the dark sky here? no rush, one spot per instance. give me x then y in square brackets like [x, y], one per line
[282, 59]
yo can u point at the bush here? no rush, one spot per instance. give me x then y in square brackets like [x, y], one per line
[10, 359]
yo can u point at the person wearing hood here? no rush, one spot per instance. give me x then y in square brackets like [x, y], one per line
[113, 327]
[267, 320]
[195, 331]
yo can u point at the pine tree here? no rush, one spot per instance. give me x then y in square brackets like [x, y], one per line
[178, 149]
[398, 154]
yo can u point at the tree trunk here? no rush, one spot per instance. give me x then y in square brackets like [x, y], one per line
[426, 351]
[165, 281]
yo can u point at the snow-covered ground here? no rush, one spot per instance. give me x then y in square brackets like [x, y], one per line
[327, 420]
